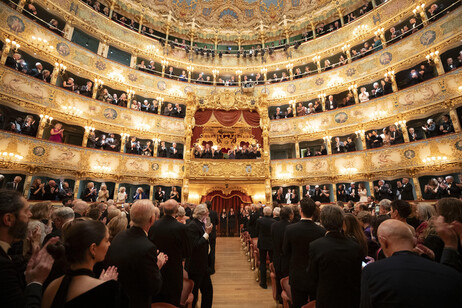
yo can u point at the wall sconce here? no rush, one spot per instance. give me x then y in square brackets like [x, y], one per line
[72, 110]
[360, 30]
[292, 102]
[316, 58]
[164, 62]
[401, 123]
[190, 68]
[346, 47]
[130, 92]
[434, 160]
[349, 171]
[354, 86]
[239, 72]
[359, 132]
[322, 96]
[433, 56]
[379, 32]
[12, 44]
[41, 43]
[124, 136]
[10, 157]
[46, 119]
[327, 139]
[290, 66]
[89, 129]
[264, 70]
[98, 83]
[61, 68]
[215, 72]
[419, 8]
[390, 74]
[156, 140]
[376, 115]
[151, 49]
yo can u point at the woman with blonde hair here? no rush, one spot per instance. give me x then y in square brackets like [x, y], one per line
[116, 225]
[103, 193]
[362, 192]
[425, 213]
[89, 194]
[181, 215]
[122, 195]
[353, 229]
[41, 213]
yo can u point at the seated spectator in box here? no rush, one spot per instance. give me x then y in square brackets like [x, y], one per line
[377, 91]
[87, 90]
[46, 76]
[450, 65]
[364, 95]
[331, 103]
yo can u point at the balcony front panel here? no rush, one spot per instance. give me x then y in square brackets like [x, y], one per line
[83, 162]
[35, 95]
[441, 34]
[414, 101]
[384, 162]
[227, 169]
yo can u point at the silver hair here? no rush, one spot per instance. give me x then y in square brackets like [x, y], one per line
[65, 213]
[267, 211]
[200, 211]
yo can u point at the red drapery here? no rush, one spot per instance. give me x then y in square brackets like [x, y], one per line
[221, 201]
[227, 118]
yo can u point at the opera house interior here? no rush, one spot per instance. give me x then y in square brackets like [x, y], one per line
[242, 120]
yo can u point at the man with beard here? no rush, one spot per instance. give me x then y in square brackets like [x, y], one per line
[19, 288]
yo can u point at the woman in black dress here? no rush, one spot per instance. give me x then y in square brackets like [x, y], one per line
[86, 243]
[231, 222]
[223, 221]
[325, 194]
[37, 190]
[341, 194]
[175, 195]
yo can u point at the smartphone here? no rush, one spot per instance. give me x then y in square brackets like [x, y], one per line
[363, 264]
[377, 209]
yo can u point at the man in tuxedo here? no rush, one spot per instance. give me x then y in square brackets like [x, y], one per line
[278, 229]
[207, 152]
[162, 151]
[13, 61]
[252, 225]
[378, 91]
[87, 90]
[309, 193]
[133, 146]
[112, 144]
[335, 264]
[452, 189]
[338, 146]
[136, 258]
[265, 243]
[350, 145]
[213, 236]
[178, 111]
[16, 184]
[405, 279]
[171, 237]
[19, 288]
[405, 191]
[197, 264]
[383, 191]
[412, 135]
[331, 103]
[37, 70]
[353, 192]
[316, 196]
[296, 247]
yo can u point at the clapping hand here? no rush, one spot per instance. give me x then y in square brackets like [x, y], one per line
[109, 274]
[162, 258]
[40, 263]
[208, 229]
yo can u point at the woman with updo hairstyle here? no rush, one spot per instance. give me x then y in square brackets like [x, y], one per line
[352, 229]
[86, 243]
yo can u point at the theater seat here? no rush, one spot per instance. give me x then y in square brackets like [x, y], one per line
[286, 294]
[273, 283]
[162, 305]
[186, 294]
[311, 304]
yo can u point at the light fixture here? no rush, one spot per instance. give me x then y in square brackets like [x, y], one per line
[264, 70]
[322, 96]
[10, 157]
[151, 49]
[156, 140]
[360, 30]
[190, 68]
[215, 72]
[239, 72]
[400, 123]
[327, 139]
[390, 74]
[379, 31]
[354, 86]
[164, 62]
[41, 43]
[316, 58]
[60, 67]
[379, 114]
[434, 159]
[116, 77]
[124, 136]
[289, 66]
[160, 99]
[419, 8]
[130, 92]
[12, 44]
[46, 119]
[349, 170]
[359, 132]
[346, 47]
[433, 56]
[89, 129]
[72, 110]
[98, 82]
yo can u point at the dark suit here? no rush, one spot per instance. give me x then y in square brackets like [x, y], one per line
[280, 261]
[331, 105]
[356, 196]
[197, 263]
[135, 257]
[14, 186]
[384, 192]
[406, 192]
[171, 238]
[252, 225]
[13, 290]
[408, 280]
[335, 268]
[296, 248]
[265, 244]
[162, 152]
[213, 239]
[48, 195]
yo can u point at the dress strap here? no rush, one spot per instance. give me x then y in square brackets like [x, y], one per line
[61, 296]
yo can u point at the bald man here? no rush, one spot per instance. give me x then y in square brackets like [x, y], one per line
[405, 279]
[170, 236]
[137, 258]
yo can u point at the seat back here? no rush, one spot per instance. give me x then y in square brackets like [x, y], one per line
[286, 288]
[274, 288]
[188, 286]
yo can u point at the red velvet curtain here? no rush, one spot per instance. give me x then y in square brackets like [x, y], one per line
[227, 118]
[203, 116]
[251, 117]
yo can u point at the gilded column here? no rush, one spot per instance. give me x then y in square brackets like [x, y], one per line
[334, 192]
[404, 131]
[27, 184]
[185, 191]
[76, 188]
[327, 142]
[5, 52]
[111, 10]
[371, 188]
[340, 15]
[103, 49]
[313, 29]
[123, 140]
[189, 124]
[297, 149]
[68, 29]
[141, 24]
[362, 137]
[439, 65]
[151, 192]
[42, 124]
[85, 137]
[133, 60]
[374, 4]
[116, 191]
[418, 191]
[264, 124]
[156, 147]
[455, 120]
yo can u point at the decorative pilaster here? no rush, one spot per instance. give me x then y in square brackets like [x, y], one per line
[27, 184]
[418, 191]
[76, 188]
[455, 120]
[116, 191]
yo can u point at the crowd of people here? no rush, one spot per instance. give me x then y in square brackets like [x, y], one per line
[27, 125]
[365, 257]
[216, 152]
